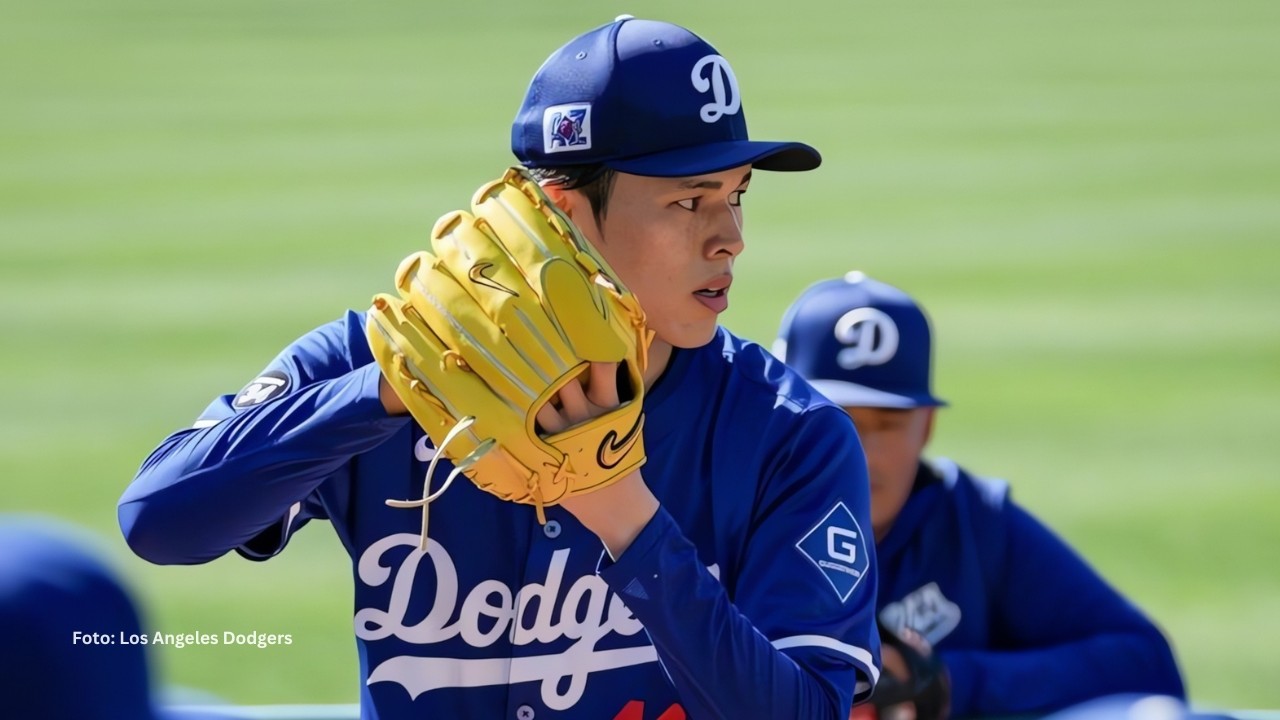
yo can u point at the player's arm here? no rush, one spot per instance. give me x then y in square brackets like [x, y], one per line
[1070, 636]
[244, 471]
[788, 643]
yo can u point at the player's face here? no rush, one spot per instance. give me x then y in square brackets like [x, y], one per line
[673, 242]
[893, 441]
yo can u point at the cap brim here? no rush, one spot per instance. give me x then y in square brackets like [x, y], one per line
[715, 157]
[847, 394]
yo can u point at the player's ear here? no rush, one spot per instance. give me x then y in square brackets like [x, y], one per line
[575, 204]
[561, 197]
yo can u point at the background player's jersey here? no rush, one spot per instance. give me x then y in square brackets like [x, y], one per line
[1022, 622]
[750, 593]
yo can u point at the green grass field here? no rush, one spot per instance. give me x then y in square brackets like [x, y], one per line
[1085, 195]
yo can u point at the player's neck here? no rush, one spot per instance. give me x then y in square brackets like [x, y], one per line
[659, 357]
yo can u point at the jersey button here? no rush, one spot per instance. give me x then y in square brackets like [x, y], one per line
[524, 712]
[551, 530]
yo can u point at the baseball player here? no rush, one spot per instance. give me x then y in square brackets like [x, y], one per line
[680, 531]
[1009, 620]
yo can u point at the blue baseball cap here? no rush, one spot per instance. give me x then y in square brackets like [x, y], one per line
[71, 631]
[646, 98]
[861, 343]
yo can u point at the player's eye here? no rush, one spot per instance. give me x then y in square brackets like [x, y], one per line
[735, 197]
[690, 204]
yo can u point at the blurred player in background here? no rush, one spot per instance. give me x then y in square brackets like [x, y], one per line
[982, 608]
[637, 131]
[71, 644]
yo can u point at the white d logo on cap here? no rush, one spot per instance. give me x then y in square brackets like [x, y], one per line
[871, 337]
[722, 84]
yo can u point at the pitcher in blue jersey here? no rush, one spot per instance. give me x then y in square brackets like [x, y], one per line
[733, 576]
[1020, 622]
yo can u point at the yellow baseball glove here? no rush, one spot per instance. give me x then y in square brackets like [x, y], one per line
[509, 306]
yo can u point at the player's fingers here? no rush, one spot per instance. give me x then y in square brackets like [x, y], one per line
[573, 400]
[915, 640]
[893, 663]
[602, 384]
[549, 420]
[901, 711]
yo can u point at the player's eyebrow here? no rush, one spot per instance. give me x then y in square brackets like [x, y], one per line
[692, 184]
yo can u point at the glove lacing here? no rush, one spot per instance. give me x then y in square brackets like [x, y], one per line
[459, 467]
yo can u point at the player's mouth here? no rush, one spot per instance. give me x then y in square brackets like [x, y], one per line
[715, 294]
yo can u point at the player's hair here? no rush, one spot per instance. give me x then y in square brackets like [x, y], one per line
[594, 181]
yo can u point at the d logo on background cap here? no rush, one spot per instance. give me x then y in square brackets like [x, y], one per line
[723, 86]
[871, 337]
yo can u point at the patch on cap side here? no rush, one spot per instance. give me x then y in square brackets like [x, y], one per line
[566, 128]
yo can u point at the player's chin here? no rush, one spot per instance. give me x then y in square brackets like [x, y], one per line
[684, 325]
[691, 335]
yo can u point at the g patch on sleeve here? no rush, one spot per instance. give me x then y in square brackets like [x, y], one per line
[837, 547]
[269, 385]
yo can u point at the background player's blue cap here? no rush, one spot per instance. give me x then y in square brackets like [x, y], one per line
[646, 98]
[53, 584]
[861, 343]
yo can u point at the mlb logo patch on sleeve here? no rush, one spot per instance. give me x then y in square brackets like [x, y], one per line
[269, 385]
[837, 547]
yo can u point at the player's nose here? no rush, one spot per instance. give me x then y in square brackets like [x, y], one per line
[726, 238]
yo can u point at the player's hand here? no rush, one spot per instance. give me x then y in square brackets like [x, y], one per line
[894, 666]
[390, 401]
[617, 513]
[914, 684]
[591, 396]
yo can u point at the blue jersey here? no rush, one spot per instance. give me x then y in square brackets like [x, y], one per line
[750, 594]
[1022, 623]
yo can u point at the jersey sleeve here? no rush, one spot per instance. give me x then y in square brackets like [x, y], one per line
[797, 637]
[244, 475]
[1061, 634]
